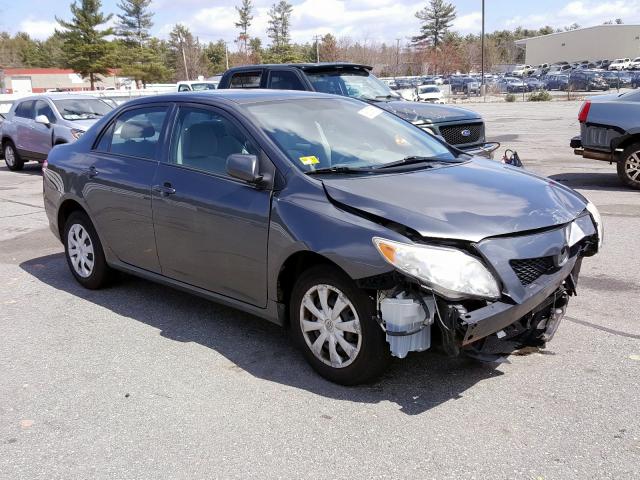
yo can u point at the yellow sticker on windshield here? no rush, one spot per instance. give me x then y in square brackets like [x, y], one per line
[312, 160]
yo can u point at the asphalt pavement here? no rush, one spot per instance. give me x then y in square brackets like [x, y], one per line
[139, 381]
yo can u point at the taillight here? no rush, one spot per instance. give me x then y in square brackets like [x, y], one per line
[45, 164]
[584, 111]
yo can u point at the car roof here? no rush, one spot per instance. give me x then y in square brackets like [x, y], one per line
[303, 66]
[241, 96]
[58, 96]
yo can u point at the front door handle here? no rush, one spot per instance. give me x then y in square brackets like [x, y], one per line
[165, 190]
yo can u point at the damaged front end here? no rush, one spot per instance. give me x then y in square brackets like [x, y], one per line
[536, 272]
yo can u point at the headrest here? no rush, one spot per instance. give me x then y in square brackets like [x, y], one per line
[201, 139]
[137, 129]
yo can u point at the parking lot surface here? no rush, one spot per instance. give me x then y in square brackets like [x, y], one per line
[141, 381]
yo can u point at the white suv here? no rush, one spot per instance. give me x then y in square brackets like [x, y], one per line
[620, 64]
[634, 64]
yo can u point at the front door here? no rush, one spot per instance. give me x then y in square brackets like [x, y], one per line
[42, 135]
[118, 182]
[211, 229]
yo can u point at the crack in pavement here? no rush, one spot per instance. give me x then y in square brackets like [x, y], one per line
[21, 203]
[604, 329]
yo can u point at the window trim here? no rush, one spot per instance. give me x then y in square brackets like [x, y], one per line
[161, 139]
[218, 111]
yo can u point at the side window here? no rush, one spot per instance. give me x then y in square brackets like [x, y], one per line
[25, 109]
[285, 80]
[203, 139]
[183, 88]
[105, 140]
[135, 133]
[245, 80]
[43, 108]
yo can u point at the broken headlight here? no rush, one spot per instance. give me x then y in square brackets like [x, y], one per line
[451, 272]
[597, 220]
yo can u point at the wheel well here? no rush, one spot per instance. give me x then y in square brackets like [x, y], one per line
[65, 210]
[292, 268]
[630, 140]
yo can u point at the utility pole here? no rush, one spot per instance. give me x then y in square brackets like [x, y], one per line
[483, 87]
[226, 54]
[317, 39]
[184, 61]
[397, 57]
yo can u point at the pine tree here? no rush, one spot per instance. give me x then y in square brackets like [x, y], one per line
[437, 18]
[135, 57]
[135, 21]
[87, 51]
[279, 31]
[244, 21]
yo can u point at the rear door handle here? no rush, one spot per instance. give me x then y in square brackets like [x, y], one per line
[165, 190]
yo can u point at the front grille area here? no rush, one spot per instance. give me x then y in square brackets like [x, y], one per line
[530, 269]
[454, 136]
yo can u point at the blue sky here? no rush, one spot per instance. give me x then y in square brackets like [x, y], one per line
[373, 20]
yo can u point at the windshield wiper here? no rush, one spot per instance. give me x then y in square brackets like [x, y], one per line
[337, 169]
[412, 160]
[387, 97]
[80, 112]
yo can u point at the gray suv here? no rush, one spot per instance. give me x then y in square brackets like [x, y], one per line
[34, 125]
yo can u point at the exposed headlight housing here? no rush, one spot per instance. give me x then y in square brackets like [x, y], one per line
[452, 273]
[597, 220]
[76, 133]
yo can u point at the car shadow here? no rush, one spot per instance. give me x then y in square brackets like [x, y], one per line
[591, 181]
[262, 349]
[30, 168]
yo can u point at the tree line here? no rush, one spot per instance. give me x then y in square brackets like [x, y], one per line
[85, 44]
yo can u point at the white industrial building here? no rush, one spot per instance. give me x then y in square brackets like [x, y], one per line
[592, 43]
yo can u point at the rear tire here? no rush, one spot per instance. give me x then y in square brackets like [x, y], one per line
[11, 157]
[84, 252]
[353, 348]
[629, 166]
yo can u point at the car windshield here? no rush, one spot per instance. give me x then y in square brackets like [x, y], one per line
[319, 133]
[351, 83]
[82, 108]
[429, 90]
[197, 87]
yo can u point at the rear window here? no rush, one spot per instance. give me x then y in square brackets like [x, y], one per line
[246, 80]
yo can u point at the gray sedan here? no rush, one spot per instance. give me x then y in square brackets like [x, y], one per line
[364, 235]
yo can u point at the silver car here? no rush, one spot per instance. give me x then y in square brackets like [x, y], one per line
[35, 124]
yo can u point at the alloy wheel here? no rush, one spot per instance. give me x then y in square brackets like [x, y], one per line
[632, 167]
[9, 156]
[80, 248]
[330, 326]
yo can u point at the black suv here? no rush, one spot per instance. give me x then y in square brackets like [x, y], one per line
[461, 128]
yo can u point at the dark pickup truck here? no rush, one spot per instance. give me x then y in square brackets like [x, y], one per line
[610, 131]
[459, 127]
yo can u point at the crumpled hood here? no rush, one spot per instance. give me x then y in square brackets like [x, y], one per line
[469, 201]
[415, 111]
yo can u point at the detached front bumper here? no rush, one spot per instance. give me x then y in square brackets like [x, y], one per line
[493, 318]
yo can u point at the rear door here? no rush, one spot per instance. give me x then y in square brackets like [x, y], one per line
[211, 229]
[285, 79]
[118, 182]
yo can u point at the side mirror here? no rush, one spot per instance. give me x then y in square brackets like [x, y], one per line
[43, 120]
[244, 167]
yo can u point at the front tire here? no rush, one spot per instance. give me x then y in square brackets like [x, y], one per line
[333, 322]
[84, 252]
[11, 157]
[629, 166]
